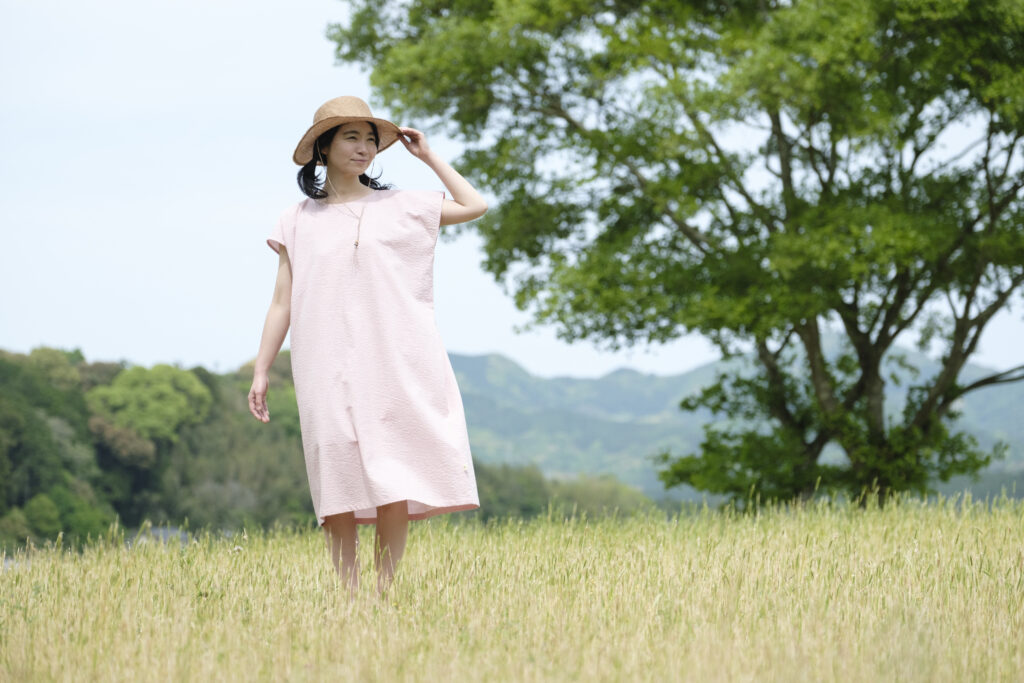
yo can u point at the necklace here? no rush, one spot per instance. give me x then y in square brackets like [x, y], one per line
[358, 217]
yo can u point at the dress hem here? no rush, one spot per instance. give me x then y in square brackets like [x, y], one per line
[432, 512]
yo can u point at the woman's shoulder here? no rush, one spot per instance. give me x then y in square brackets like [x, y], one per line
[297, 206]
[290, 215]
[409, 196]
[305, 205]
[423, 206]
[413, 201]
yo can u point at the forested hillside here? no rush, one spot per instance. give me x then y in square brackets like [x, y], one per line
[614, 424]
[84, 442]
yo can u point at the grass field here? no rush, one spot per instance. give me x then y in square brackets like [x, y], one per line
[910, 592]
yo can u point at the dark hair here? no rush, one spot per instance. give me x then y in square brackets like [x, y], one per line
[313, 186]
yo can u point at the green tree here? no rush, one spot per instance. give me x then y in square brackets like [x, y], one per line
[598, 495]
[510, 491]
[58, 367]
[14, 529]
[7, 443]
[43, 516]
[153, 402]
[136, 421]
[232, 470]
[95, 374]
[81, 514]
[124, 443]
[28, 452]
[43, 380]
[762, 172]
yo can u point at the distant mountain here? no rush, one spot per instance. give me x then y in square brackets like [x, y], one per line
[614, 424]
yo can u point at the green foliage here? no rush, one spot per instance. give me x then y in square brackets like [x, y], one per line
[42, 516]
[523, 492]
[153, 402]
[51, 446]
[25, 381]
[96, 374]
[124, 443]
[77, 513]
[507, 491]
[536, 443]
[57, 367]
[231, 470]
[14, 529]
[136, 420]
[28, 452]
[597, 495]
[43, 440]
[763, 173]
[82, 515]
[216, 467]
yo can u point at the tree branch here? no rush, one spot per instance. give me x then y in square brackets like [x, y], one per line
[704, 243]
[831, 162]
[940, 396]
[990, 191]
[810, 335]
[812, 153]
[762, 212]
[1012, 375]
[785, 163]
[1010, 150]
[777, 387]
[919, 150]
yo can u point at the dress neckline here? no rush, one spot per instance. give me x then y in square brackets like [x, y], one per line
[369, 195]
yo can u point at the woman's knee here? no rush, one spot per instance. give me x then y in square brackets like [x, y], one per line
[340, 522]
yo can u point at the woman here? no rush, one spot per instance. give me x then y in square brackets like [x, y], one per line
[383, 428]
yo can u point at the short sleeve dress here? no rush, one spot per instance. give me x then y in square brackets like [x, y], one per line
[379, 408]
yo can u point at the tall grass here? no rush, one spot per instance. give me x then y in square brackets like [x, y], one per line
[909, 592]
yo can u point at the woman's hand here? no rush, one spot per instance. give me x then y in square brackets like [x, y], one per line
[416, 142]
[258, 398]
[466, 203]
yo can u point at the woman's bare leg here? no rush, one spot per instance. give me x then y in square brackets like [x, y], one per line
[392, 531]
[343, 543]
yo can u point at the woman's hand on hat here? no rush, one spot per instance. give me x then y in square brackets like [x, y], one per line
[465, 203]
[415, 141]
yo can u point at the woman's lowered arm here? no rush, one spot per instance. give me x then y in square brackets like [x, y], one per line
[274, 330]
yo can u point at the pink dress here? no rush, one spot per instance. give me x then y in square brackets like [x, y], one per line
[380, 411]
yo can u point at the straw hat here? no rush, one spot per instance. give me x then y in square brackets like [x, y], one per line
[336, 112]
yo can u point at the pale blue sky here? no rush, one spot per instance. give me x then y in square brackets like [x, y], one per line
[145, 151]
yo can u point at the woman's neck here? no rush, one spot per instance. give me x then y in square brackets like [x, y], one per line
[343, 187]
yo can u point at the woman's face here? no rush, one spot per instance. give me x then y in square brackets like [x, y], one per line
[353, 148]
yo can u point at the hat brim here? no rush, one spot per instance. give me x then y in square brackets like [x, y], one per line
[389, 134]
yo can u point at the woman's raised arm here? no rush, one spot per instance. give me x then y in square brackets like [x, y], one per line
[466, 203]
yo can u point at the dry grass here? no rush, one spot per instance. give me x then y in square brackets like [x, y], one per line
[911, 592]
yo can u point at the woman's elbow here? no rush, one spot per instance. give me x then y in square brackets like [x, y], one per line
[281, 307]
